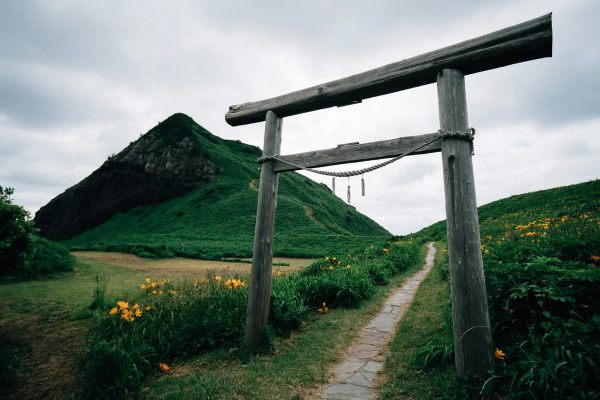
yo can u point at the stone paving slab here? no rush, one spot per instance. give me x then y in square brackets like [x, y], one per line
[355, 375]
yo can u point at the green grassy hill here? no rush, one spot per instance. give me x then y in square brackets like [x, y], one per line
[215, 216]
[498, 216]
[541, 258]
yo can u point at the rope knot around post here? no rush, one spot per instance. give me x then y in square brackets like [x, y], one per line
[263, 159]
[468, 135]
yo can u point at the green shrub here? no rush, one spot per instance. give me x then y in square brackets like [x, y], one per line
[335, 284]
[116, 367]
[287, 307]
[46, 257]
[544, 308]
[162, 322]
[16, 230]
[544, 315]
[22, 253]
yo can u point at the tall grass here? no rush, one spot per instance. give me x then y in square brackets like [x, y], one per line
[541, 259]
[163, 321]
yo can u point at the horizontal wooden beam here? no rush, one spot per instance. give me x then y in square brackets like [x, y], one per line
[523, 42]
[359, 152]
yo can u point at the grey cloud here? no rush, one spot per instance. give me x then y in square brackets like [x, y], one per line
[79, 80]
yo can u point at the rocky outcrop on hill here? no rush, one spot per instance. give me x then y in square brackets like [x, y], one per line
[165, 163]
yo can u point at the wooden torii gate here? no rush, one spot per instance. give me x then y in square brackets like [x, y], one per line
[523, 42]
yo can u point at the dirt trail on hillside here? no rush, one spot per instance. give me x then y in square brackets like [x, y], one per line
[182, 267]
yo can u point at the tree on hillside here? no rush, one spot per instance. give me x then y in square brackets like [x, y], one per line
[15, 233]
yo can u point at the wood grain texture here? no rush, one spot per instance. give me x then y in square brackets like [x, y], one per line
[358, 152]
[523, 42]
[471, 326]
[259, 294]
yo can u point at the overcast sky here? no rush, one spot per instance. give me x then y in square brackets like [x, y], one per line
[79, 80]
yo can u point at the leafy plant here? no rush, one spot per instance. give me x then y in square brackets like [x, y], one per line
[99, 301]
[23, 254]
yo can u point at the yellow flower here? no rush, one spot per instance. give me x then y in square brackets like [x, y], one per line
[499, 354]
[127, 315]
[234, 284]
[148, 308]
[331, 267]
[147, 280]
[113, 311]
[348, 266]
[218, 278]
[163, 367]
[530, 234]
[324, 309]
[386, 250]
[123, 305]
[138, 313]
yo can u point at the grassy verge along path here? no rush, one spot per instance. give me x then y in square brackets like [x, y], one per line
[297, 367]
[354, 377]
[425, 325]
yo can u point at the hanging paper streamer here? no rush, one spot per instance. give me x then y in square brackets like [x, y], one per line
[362, 183]
[333, 185]
[348, 190]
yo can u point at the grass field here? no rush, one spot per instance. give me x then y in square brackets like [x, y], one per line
[49, 319]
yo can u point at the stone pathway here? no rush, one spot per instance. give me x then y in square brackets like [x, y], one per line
[354, 377]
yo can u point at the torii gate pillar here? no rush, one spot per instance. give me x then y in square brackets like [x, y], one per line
[262, 255]
[471, 325]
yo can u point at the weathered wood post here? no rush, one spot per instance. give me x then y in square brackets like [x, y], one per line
[259, 294]
[470, 319]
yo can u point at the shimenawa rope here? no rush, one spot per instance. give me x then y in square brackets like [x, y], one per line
[467, 135]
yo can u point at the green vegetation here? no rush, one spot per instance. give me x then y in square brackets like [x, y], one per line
[23, 254]
[541, 263]
[164, 321]
[216, 219]
[296, 366]
[47, 319]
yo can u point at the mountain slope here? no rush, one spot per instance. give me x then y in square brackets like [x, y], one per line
[179, 190]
